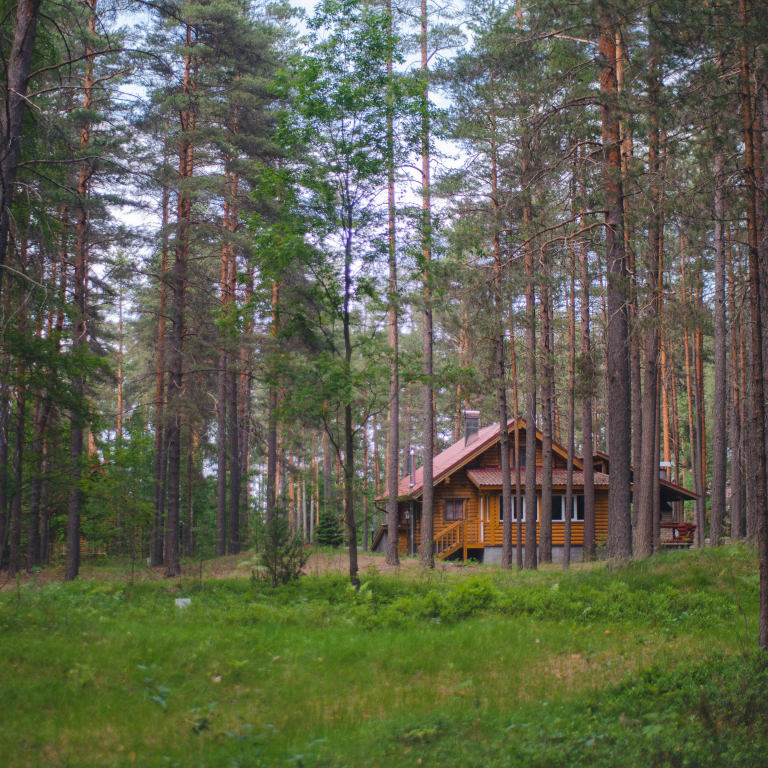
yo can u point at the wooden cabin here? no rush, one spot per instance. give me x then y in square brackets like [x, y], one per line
[468, 513]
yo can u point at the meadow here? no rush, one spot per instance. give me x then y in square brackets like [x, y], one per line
[653, 664]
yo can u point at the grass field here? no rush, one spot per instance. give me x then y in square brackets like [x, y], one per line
[651, 665]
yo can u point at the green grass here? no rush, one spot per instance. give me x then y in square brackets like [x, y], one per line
[649, 665]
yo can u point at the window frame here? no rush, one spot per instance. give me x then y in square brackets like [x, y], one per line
[501, 509]
[454, 499]
[574, 513]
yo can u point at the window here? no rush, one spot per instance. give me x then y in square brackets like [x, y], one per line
[454, 509]
[558, 509]
[522, 458]
[514, 509]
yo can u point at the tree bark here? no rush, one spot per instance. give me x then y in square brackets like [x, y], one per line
[758, 394]
[156, 549]
[14, 565]
[175, 384]
[531, 554]
[233, 547]
[221, 406]
[18, 68]
[588, 383]
[571, 448]
[619, 394]
[36, 489]
[393, 436]
[427, 494]
[649, 464]
[545, 525]
[272, 425]
[720, 405]
[737, 481]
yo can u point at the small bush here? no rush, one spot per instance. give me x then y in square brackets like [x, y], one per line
[283, 555]
[328, 532]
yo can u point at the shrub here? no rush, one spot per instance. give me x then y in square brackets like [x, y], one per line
[283, 555]
[328, 532]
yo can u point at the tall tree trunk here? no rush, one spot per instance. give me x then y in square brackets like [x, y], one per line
[14, 565]
[531, 554]
[427, 493]
[588, 552]
[758, 393]
[233, 547]
[81, 330]
[720, 405]
[38, 475]
[571, 448]
[518, 471]
[649, 465]
[636, 338]
[499, 300]
[175, 384]
[393, 436]
[545, 526]
[186, 549]
[17, 67]
[737, 482]
[619, 393]
[221, 403]
[156, 549]
[350, 519]
[272, 416]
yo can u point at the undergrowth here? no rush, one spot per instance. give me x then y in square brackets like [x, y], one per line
[649, 664]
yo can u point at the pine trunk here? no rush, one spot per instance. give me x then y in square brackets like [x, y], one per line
[175, 400]
[531, 554]
[619, 391]
[428, 424]
[545, 526]
[17, 70]
[393, 435]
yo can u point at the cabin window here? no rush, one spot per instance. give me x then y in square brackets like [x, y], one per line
[522, 458]
[558, 509]
[514, 509]
[454, 509]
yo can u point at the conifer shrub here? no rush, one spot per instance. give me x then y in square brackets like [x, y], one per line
[283, 554]
[328, 532]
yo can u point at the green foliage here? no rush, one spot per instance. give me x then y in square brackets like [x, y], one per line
[283, 554]
[328, 532]
[444, 668]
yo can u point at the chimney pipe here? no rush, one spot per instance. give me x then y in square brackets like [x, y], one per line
[664, 469]
[471, 426]
[412, 466]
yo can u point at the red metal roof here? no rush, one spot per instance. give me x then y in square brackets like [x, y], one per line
[455, 456]
[451, 458]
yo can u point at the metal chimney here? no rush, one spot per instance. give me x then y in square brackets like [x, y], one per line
[471, 426]
[664, 467]
[412, 466]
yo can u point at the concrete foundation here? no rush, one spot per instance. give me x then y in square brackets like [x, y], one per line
[492, 555]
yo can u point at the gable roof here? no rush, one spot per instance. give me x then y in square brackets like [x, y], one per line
[459, 454]
[454, 457]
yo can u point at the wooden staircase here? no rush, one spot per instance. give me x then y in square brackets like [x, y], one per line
[449, 540]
